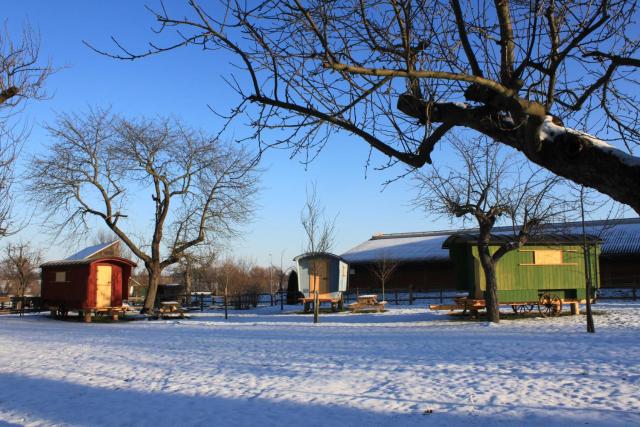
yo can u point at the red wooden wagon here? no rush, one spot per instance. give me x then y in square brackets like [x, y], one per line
[89, 285]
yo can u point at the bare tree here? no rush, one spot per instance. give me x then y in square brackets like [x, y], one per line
[490, 187]
[383, 269]
[21, 266]
[198, 187]
[319, 230]
[193, 270]
[21, 79]
[402, 75]
[8, 154]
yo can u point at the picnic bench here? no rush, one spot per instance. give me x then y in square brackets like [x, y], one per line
[367, 303]
[170, 309]
[335, 298]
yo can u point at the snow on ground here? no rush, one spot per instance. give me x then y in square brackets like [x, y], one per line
[403, 367]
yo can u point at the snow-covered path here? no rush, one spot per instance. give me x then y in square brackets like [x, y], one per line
[263, 368]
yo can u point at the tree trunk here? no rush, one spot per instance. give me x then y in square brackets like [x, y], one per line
[152, 289]
[491, 293]
[188, 281]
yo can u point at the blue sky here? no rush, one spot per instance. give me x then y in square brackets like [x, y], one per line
[183, 83]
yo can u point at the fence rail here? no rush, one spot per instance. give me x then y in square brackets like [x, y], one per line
[401, 295]
[405, 296]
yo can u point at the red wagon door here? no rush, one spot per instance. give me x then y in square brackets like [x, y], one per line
[103, 286]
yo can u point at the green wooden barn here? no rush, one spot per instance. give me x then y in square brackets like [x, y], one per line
[549, 267]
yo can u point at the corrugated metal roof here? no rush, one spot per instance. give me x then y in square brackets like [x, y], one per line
[539, 239]
[91, 250]
[619, 237]
[64, 262]
[67, 262]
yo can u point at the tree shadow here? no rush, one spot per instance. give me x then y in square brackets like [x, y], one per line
[25, 400]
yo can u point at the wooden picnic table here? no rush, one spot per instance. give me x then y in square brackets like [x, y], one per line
[170, 309]
[367, 303]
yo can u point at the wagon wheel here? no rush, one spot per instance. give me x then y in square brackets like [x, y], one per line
[549, 305]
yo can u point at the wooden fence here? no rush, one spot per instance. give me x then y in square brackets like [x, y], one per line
[16, 304]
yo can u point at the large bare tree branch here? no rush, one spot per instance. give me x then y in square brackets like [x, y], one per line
[403, 76]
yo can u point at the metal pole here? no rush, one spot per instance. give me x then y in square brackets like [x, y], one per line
[587, 266]
[271, 278]
[281, 297]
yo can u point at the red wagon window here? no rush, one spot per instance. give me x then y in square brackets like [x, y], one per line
[61, 276]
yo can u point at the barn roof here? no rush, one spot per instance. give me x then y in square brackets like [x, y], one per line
[619, 237]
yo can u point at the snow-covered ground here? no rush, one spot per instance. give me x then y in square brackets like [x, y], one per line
[403, 367]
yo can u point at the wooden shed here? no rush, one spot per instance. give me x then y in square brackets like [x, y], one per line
[88, 282]
[323, 271]
[551, 264]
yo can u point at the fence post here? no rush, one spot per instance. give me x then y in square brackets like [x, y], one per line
[410, 294]
[316, 308]
[396, 297]
[201, 302]
[271, 296]
[441, 300]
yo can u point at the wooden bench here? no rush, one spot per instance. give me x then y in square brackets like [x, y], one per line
[367, 303]
[335, 298]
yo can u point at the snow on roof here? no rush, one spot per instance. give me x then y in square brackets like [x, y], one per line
[401, 247]
[91, 250]
[619, 237]
[316, 254]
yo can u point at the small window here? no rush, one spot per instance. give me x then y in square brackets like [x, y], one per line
[61, 276]
[352, 271]
[547, 257]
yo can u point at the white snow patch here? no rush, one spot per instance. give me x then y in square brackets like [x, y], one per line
[403, 367]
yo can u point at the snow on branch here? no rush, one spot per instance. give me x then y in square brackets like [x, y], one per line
[550, 131]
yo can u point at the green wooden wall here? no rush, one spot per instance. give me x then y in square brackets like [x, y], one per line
[519, 279]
